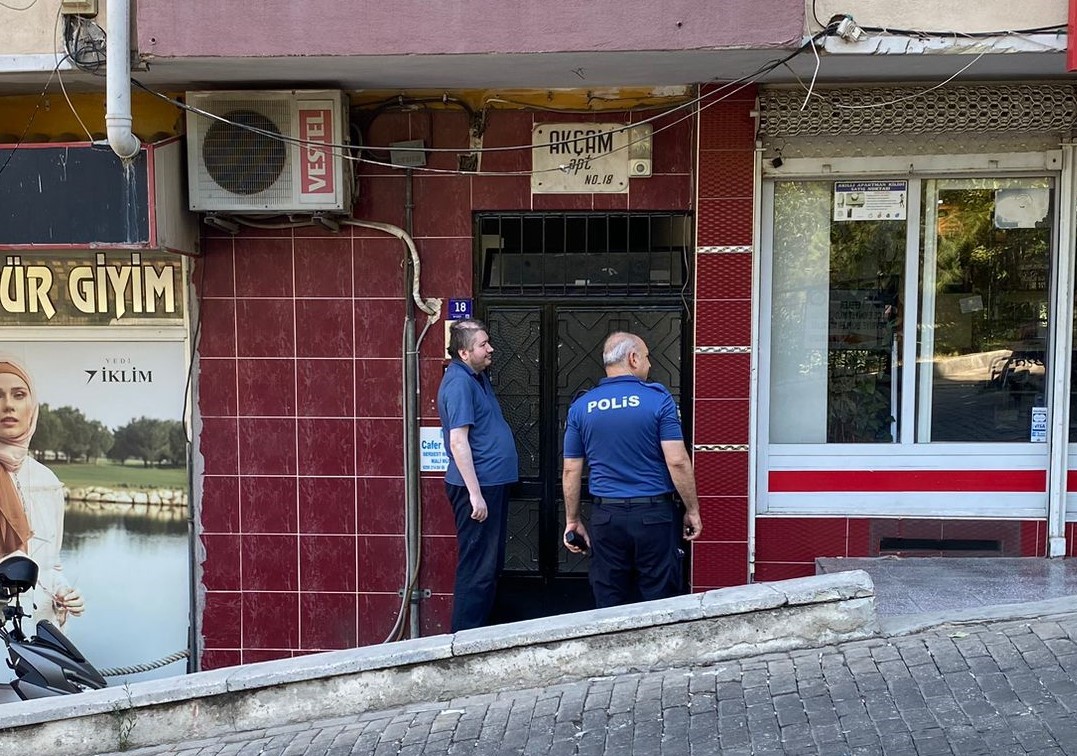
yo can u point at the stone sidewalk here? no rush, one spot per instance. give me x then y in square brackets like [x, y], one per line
[1004, 687]
[691, 630]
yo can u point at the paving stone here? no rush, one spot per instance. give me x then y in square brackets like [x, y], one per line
[732, 690]
[995, 689]
[703, 735]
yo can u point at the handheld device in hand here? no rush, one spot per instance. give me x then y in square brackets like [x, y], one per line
[572, 538]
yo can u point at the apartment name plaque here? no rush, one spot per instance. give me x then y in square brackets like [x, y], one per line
[579, 158]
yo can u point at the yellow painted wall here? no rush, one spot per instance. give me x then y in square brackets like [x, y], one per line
[597, 99]
[53, 120]
[154, 119]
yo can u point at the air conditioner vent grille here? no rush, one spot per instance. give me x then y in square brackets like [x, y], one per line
[242, 161]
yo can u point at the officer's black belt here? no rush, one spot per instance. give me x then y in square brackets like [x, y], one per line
[661, 499]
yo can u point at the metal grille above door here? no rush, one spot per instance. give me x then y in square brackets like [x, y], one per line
[867, 121]
[565, 254]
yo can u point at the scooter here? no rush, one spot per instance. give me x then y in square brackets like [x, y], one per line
[47, 664]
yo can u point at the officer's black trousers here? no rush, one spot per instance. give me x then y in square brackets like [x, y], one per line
[481, 554]
[635, 552]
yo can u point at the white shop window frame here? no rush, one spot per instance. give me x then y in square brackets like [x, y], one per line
[906, 454]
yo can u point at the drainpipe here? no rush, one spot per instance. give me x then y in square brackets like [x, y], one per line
[410, 349]
[411, 423]
[118, 80]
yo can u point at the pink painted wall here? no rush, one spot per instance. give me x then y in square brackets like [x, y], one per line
[328, 27]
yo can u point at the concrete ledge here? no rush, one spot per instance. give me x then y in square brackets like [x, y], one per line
[682, 631]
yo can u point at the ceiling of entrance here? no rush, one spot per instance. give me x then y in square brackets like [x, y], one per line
[556, 70]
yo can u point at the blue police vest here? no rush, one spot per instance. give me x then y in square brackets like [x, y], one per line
[619, 426]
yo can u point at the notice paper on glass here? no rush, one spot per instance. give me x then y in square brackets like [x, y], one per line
[1038, 434]
[870, 200]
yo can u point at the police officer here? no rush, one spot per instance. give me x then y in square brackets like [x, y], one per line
[630, 434]
[483, 465]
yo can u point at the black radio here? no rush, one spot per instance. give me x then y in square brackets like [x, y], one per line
[572, 538]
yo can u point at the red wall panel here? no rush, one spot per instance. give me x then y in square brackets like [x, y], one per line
[716, 565]
[299, 392]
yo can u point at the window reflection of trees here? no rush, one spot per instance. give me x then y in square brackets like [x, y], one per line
[1006, 267]
[990, 314]
[866, 274]
[863, 262]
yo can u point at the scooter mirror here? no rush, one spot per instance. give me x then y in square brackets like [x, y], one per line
[18, 574]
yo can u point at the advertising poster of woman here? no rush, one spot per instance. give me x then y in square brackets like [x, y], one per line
[95, 490]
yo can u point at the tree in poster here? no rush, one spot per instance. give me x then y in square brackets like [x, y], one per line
[177, 443]
[150, 440]
[70, 434]
[49, 431]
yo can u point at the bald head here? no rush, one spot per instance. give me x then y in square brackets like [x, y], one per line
[626, 354]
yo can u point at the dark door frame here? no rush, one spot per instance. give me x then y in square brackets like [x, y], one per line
[545, 485]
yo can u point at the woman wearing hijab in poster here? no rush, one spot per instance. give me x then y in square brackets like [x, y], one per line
[31, 498]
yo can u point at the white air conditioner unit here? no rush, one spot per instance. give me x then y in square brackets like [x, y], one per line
[261, 153]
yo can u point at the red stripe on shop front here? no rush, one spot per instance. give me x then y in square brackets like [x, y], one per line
[820, 481]
[1071, 39]
[1071, 475]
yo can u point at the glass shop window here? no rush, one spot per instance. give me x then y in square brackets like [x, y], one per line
[843, 333]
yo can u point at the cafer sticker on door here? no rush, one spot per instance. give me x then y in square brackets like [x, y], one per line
[870, 200]
[433, 457]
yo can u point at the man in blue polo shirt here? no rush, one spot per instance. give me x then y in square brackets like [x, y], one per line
[630, 434]
[482, 466]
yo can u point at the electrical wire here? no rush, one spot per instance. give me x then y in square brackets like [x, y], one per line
[748, 78]
[17, 8]
[29, 123]
[431, 306]
[969, 35]
[896, 100]
[88, 55]
[924, 33]
[343, 150]
[199, 294]
[59, 76]
[813, 76]
[338, 146]
[397, 630]
[580, 111]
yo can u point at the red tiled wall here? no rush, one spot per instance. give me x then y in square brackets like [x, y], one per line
[299, 392]
[723, 337]
[787, 547]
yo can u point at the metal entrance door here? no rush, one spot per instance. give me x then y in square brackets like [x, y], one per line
[544, 355]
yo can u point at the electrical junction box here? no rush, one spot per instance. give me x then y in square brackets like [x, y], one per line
[78, 7]
[408, 154]
[639, 150]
